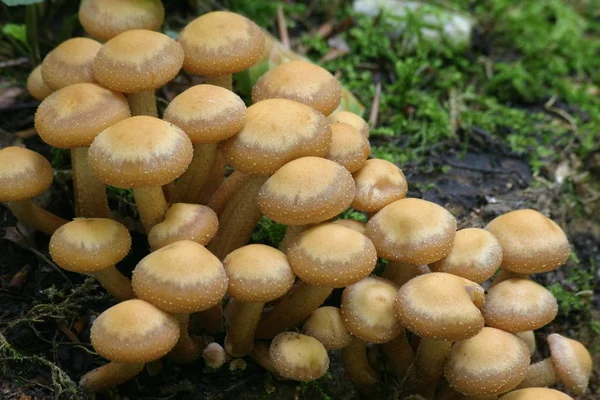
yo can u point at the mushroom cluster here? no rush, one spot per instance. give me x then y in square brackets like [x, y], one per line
[300, 161]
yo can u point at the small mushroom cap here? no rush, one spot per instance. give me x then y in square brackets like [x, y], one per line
[70, 62]
[353, 224]
[24, 174]
[348, 147]
[306, 191]
[184, 222]
[536, 394]
[413, 231]
[105, 19]
[89, 244]
[141, 152]
[530, 241]
[207, 113]
[327, 326]
[138, 60]
[258, 273]
[180, 278]
[378, 183]
[277, 131]
[572, 362]
[331, 255]
[301, 81]
[134, 331]
[36, 86]
[491, 362]
[299, 357]
[221, 43]
[350, 118]
[529, 338]
[73, 116]
[476, 255]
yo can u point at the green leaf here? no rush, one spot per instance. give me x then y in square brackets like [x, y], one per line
[12, 3]
[16, 31]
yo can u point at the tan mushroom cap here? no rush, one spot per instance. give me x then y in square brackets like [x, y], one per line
[36, 86]
[327, 326]
[529, 338]
[440, 306]
[24, 174]
[221, 43]
[331, 255]
[536, 394]
[348, 147]
[258, 273]
[70, 62]
[140, 151]
[301, 81]
[572, 362]
[105, 19]
[138, 60]
[353, 224]
[476, 255]
[530, 241]
[134, 331]
[180, 278]
[73, 116]
[306, 191]
[89, 244]
[207, 113]
[491, 362]
[277, 131]
[352, 119]
[378, 183]
[299, 357]
[413, 231]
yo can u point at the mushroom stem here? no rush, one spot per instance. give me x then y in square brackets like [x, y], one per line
[428, 366]
[242, 324]
[142, 103]
[224, 81]
[227, 190]
[190, 184]
[188, 348]
[359, 371]
[36, 217]
[115, 283]
[260, 354]
[151, 205]
[399, 354]
[109, 375]
[90, 194]
[215, 178]
[540, 374]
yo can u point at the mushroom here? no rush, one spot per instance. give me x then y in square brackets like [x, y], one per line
[70, 62]
[536, 394]
[348, 147]
[529, 338]
[352, 119]
[400, 272]
[353, 224]
[327, 326]
[214, 355]
[378, 183]
[36, 86]
[299, 357]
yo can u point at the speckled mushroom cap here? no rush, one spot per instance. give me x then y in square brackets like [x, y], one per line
[572, 362]
[536, 394]
[134, 331]
[368, 310]
[184, 221]
[277, 131]
[301, 81]
[331, 255]
[89, 244]
[531, 242]
[299, 357]
[36, 85]
[529, 338]
[440, 306]
[518, 305]
[23, 174]
[476, 255]
[180, 278]
[73, 116]
[353, 224]
[221, 43]
[348, 147]
[138, 60]
[352, 119]
[306, 191]
[378, 183]
[70, 62]
[105, 19]
[258, 273]
[413, 231]
[140, 151]
[327, 326]
[207, 113]
[492, 362]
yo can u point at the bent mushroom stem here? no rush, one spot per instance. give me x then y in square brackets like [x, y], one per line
[142, 103]
[224, 81]
[90, 194]
[188, 348]
[109, 375]
[242, 324]
[36, 217]
[358, 369]
[216, 177]
[151, 205]
[260, 354]
[428, 366]
[115, 283]
[191, 184]
[540, 374]
[399, 354]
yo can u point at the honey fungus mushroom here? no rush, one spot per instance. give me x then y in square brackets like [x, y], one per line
[299, 357]
[351, 119]
[36, 86]
[378, 183]
[348, 147]
[70, 62]
[327, 326]
[536, 394]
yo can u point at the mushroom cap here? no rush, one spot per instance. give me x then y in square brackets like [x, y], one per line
[298, 357]
[491, 362]
[134, 331]
[70, 62]
[327, 326]
[518, 305]
[414, 231]
[301, 81]
[73, 116]
[475, 255]
[530, 241]
[378, 183]
[331, 255]
[24, 174]
[89, 244]
[105, 19]
[358, 226]
[138, 60]
[207, 113]
[258, 273]
[368, 310]
[221, 43]
[536, 394]
[349, 148]
[180, 278]
[529, 338]
[36, 86]
[440, 306]
[141, 152]
[572, 362]
[352, 119]
[306, 191]
[277, 131]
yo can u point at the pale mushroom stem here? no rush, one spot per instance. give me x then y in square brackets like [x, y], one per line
[224, 81]
[226, 190]
[90, 194]
[151, 205]
[109, 375]
[359, 371]
[215, 179]
[36, 217]
[242, 324]
[504, 275]
[260, 354]
[191, 183]
[428, 367]
[188, 348]
[540, 374]
[115, 283]
[398, 354]
[142, 103]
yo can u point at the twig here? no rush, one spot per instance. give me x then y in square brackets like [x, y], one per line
[49, 262]
[14, 63]
[454, 112]
[282, 26]
[375, 107]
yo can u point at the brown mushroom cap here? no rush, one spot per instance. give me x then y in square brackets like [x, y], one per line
[352, 119]
[378, 183]
[134, 331]
[536, 394]
[348, 147]
[327, 326]
[353, 224]
[36, 85]
[23, 174]
[531, 242]
[299, 357]
[572, 362]
[71, 62]
[529, 338]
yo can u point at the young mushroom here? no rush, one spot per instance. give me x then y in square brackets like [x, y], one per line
[536, 394]
[36, 86]
[299, 357]
[348, 147]
[351, 119]
[378, 183]
[327, 326]
[70, 62]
